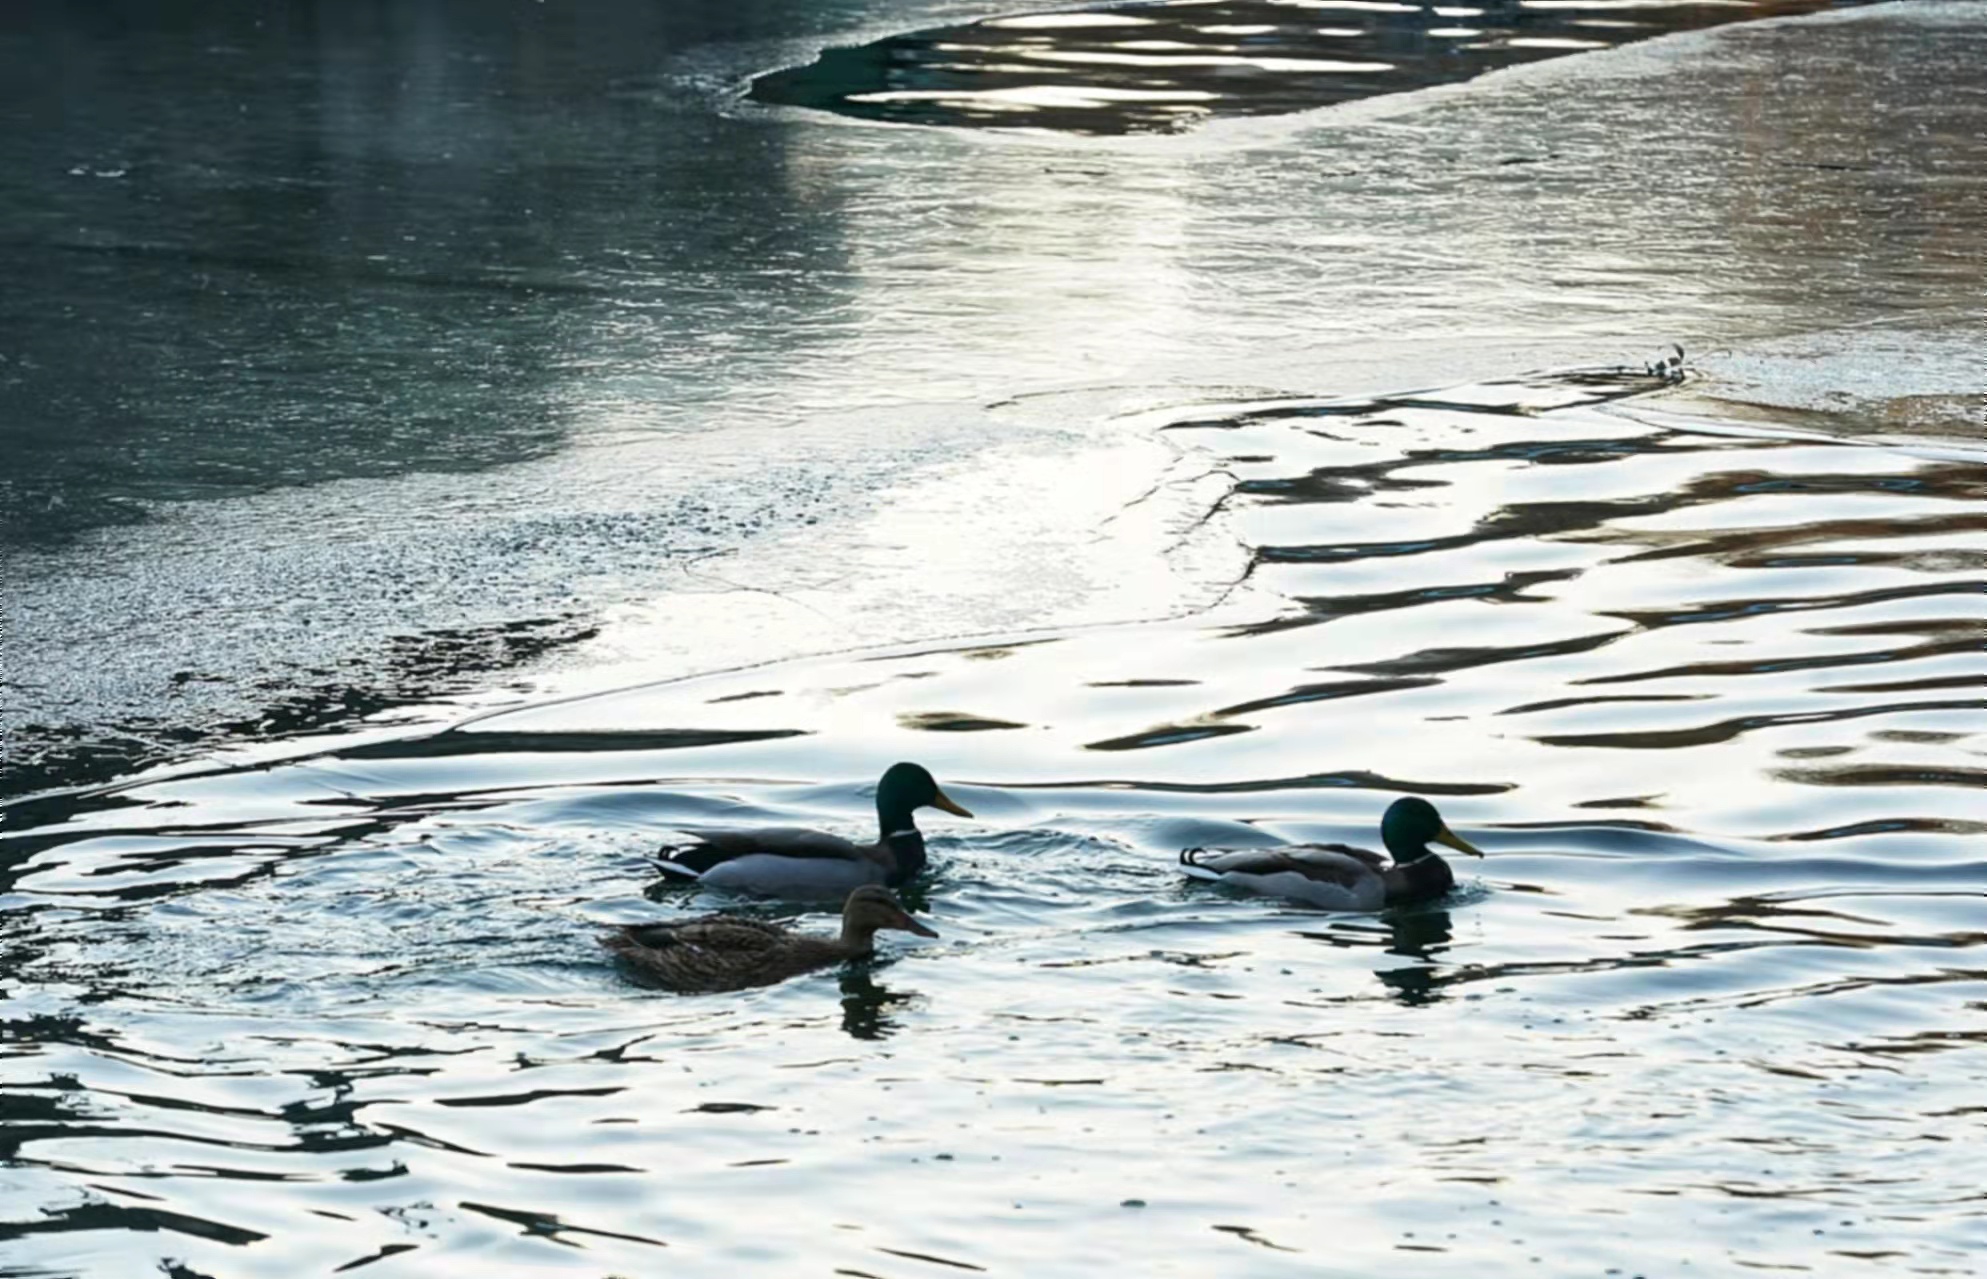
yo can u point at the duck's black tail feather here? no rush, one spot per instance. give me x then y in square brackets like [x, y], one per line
[678, 861]
[1190, 862]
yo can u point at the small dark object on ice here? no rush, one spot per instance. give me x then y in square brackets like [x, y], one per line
[1670, 367]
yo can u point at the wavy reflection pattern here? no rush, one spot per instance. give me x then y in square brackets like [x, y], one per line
[1711, 698]
[1156, 68]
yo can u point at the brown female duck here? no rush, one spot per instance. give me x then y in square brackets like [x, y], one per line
[725, 952]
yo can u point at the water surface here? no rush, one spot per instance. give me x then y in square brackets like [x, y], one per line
[1710, 698]
[597, 359]
[337, 338]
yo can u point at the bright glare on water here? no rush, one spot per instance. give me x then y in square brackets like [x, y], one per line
[1038, 461]
[1710, 701]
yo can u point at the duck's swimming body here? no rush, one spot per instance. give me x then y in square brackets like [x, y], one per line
[1340, 878]
[794, 861]
[725, 952]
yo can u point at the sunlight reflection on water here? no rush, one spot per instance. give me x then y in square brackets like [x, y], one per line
[1706, 1002]
[1701, 670]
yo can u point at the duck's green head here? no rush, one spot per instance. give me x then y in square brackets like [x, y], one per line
[1412, 824]
[908, 786]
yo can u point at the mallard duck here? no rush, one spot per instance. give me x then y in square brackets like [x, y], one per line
[724, 952]
[792, 861]
[1341, 878]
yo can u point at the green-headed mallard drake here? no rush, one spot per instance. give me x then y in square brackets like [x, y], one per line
[724, 952]
[792, 861]
[1341, 878]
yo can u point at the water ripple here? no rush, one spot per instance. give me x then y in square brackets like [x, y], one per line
[345, 1012]
[1163, 68]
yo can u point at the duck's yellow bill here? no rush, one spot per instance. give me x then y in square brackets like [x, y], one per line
[1457, 842]
[941, 801]
[910, 925]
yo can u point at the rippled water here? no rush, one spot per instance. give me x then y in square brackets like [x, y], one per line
[1709, 694]
[1167, 67]
[351, 360]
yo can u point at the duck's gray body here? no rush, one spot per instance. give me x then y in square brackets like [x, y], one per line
[1328, 875]
[792, 861]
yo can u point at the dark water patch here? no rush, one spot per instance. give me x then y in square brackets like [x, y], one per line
[526, 1098]
[1782, 665]
[1724, 610]
[313, 251]
[730, 1108]
[1167, 735]
[550, 1226]
[1511, 588]
[322, 272]
[386, 1251]
[104, 1216]
[1251, 1235]
[1623, 801]
[954, 722]
[748, 696]
[1333, 691]
[1927, 626]
[1890, 826]
[1561, 703]
[934, 1260]
[1340, 484]
[1726, 730]
[1752, 547]
[1434, 661]
[1886, 775]
[255, 354]
[1164, 68]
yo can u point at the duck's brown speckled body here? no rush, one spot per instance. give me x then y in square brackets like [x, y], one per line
[725, 952]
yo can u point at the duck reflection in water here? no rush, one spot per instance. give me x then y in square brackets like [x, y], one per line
[1419, 933]
[866, 1006]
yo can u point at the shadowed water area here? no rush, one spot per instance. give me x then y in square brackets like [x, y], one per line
[1092, 474]
[1165, 67]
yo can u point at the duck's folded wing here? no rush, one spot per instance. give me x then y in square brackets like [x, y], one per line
[718, 954]
[716, 847]
[716, 933]
[1336, 855]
